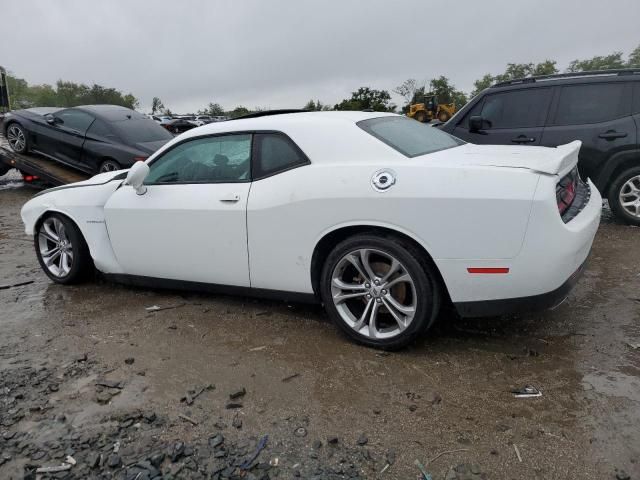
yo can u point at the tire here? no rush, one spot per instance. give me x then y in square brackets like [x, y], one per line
[74, 263]
[421, 117]
[17, 138]
[443, 117]
[109, 166]
[353, 315]
[626, 189]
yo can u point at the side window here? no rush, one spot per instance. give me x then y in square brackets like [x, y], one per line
[100, 129]
[516, 109]
[275, 153]
[75, 119]
[592, 103]
[220, 159]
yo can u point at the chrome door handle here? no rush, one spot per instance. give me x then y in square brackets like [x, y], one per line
[231, 198]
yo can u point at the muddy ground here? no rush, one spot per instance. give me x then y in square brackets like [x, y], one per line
[87, 372]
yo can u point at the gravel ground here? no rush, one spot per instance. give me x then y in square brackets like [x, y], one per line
[233, 387]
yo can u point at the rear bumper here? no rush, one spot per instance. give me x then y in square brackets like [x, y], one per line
[544, 301]
[541, 276]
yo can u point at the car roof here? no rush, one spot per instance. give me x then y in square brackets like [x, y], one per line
[595, 76]
[111, 113]
[281, 121]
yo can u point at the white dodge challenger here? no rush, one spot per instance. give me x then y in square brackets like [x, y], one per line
[380, 217]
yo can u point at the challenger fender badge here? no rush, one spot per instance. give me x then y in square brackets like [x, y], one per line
[383, 180]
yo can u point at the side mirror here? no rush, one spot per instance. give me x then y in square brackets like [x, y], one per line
[137, 173]
[51, 120]
[475, 123]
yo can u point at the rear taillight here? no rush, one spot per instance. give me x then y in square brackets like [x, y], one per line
[566, 190]
[30, 178]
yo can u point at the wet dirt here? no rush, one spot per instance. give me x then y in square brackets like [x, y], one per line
[86, 366]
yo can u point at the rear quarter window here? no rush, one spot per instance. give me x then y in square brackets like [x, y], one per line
[409, 137]
[591, 103]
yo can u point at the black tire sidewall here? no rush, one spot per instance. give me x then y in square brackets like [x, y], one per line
[109, 160]
[81, 256]
[426, 284]
[614, 196]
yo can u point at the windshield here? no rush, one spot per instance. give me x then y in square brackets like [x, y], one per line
[409, 137]
[141, 131]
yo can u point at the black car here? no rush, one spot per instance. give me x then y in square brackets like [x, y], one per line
[178, 125]
[602, 109]
[92, 138]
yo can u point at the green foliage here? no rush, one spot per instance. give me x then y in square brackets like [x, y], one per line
[213, 110]
[366, 98]
[634, 58]
[316, 106]
[156, 105]
[514, 71]
[65, 94]
[446, 92]
[239, 111]
[598, 63]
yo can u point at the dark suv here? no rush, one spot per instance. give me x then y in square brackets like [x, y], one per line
[602, 109]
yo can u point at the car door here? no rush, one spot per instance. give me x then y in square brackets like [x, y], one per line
[598, 114]
[64, 138]
[279, 172]
[511, 117]
[190, 224]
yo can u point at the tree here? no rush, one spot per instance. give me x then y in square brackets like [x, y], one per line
[366, 98]
[634, 58]
[482, 83]
[213, 110]
[515, 71]
[239, 111]
[407, 90]
[447, 92]
[156, 105]
[605, 62]
[316, 106]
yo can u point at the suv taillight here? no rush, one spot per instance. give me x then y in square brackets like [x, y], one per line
[566, 190]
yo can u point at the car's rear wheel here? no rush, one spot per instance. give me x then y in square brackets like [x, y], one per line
[62, 252]
[379, 291]
[109, 166]
[624, 196]
[17, 138]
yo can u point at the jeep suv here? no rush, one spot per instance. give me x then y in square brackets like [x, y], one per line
[602, 109]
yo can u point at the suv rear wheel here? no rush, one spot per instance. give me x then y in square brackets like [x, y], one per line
[624, 196]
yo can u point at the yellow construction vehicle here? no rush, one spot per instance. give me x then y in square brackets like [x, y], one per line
[425, 108]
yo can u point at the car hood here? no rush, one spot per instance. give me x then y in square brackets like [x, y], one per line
[552, 161]
[150, 147]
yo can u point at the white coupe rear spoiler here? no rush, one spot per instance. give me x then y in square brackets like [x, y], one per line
[562, 160]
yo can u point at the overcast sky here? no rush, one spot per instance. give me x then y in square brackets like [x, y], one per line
[280, 53]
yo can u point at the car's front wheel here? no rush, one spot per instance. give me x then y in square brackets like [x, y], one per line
[380, 291]
[624, 196]
[17, 138]
[62, 252]
[109, 166]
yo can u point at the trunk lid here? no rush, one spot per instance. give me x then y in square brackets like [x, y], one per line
[551, 161]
